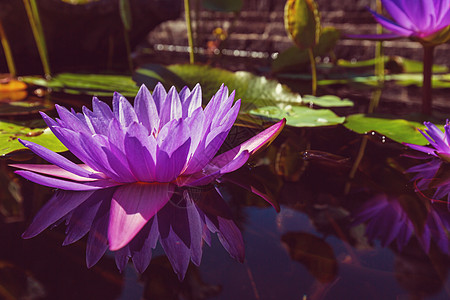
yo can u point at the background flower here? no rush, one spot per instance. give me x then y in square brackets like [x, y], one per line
[420, 19]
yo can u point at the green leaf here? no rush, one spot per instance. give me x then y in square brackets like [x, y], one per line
[302, 22]
[405, 64]
[293, 59]
[11, 132]
[255, 91]
[399, 130]
[299, 116]
[90, 84]
[223, 5]
[151, 74]
[327, 101]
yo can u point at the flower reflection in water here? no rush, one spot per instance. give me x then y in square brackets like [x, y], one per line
[181, 226]
[390, 218]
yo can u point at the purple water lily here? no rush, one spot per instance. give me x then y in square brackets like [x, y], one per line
[439, 141]
[418, 19]
[166, 137]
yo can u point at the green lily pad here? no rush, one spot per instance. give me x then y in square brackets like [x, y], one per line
[11, 132]
[299, 116]
[327, 101]
[399, 130]
[90, 84]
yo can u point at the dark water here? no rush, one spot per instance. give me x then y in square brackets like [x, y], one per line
[370, 237]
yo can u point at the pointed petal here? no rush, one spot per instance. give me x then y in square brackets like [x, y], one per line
[388, 24]
[127, 115]
[169, 168]
[252, 145]
[131, 208]
[146, 110]
[52, 170]
[159, 95]
[66, 185]
[57, 159]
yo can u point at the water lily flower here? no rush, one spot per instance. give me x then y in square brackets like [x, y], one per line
[167, 137]
[439, 141]
[421, 19]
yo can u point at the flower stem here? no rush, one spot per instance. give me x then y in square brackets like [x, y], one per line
[38, 33]
[356, 163]
[428, 52]
[379, 57]
[187, 13]
[7, 51]
[313, 70]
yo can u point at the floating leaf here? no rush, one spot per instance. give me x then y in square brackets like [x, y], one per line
[327, 101]
[294, 58]
[302, 22]
[399, 130]
[299, 116]
[10, 132]
[223, 5]
[90, 84]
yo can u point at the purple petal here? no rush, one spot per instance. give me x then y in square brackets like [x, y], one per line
[58, 206]
[388, 24]
[397, 11]
[252, 145]
[127, 115]
[53, 171]
[159, 95]
[171, 107]
[146, 110]
[140, 160]
[58, 160]
[131, 208]
[70, 120]
[192, 102]
[168, 168]
[66, 185]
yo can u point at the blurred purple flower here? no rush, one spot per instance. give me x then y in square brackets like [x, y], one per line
[419, 18]
[439, 141]
[166, 137]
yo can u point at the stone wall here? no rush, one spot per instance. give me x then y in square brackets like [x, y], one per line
[259, 28]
